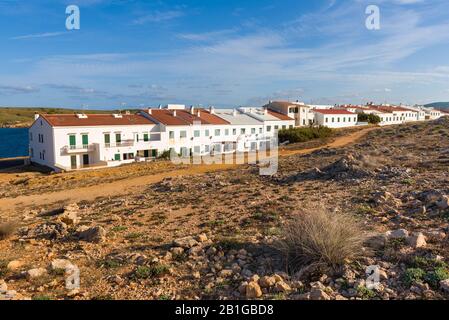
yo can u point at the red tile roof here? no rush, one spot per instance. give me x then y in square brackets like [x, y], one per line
[333, 111]
[278, 115]
[185, 117]
[72, 120]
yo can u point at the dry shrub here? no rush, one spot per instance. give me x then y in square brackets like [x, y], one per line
[7, 229]
[322, 239]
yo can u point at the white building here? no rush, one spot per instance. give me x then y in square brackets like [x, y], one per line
[300, 112]
[74, 141]
[335, 118]
[272, 120]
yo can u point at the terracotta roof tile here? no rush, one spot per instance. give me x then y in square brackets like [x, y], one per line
[333, 111]
[72, 120]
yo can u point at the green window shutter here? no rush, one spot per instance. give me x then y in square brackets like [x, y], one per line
[145, 137]
[85, 139]
[117, 157]
[118, 137]
[107, 138]
[72, 140]
[154, 153]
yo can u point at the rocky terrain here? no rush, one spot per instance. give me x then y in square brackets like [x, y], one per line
[217, 235]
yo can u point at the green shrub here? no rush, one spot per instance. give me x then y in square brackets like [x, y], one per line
[365, 293]
[439, 274]
[146, 272]
[370, 118]
[296, 135]
[413, 275]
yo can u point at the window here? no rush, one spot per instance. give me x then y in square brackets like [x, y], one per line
[327, 120]
[184, 152]
[72, 141]
[118, 137]
[234, 132]
[197, 150]
[206, 149]
[338, 119]
[242, 131]
[253, 130]
[226, 132]
[344, 119]
[217, 132]
[207, 133]
[31, 136]
[146, 138]
[85, 140]
[196, 133]
[107, 139]
[183, 134]
[171, 134]
[333, 119]
[31, 152]
[117, 157]
[291, 126]
[276, 127]
[268, 128]
[260, 130]
[284, 127]
[43, 155]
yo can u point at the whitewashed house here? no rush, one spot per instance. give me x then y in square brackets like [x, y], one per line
[300, 112]
[272, 120]
[75, 141]
[335, 118]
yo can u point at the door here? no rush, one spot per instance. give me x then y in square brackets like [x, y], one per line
[72, 141]
[154, 153]
[146, 153]
[85, 139]
[85, 159]
[73, 162]
[117, 157]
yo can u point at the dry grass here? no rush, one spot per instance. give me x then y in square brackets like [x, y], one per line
[320, 238]
[7, 229]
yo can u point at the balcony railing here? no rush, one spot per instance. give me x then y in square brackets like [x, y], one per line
[77, 148]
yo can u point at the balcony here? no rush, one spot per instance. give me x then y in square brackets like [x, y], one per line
[77, 149]
[124, 143]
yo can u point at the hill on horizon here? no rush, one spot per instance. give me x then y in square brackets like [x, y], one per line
[438, 105]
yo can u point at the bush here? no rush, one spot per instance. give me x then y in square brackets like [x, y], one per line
[370, 118]
[413, 275]
[7, 229]
[296, 135]
[321, 238]
[164, 155]
[146, 272]
[435, 277]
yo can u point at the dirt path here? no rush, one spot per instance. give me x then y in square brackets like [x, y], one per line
[126, 186]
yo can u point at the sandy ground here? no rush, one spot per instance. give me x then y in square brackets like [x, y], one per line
[125, 186]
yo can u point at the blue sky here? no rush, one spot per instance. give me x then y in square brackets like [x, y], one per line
[222, 53]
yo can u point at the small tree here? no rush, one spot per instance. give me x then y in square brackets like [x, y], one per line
[370, 118]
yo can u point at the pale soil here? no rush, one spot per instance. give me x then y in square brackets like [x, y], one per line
[127, 185]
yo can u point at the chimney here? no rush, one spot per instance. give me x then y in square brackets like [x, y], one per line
[174, 113]
[36, 116]
[149, 111]
[265, 111]
[160, 106]
[192, 109]
[198, 113]
[234, 112]
[212, 110]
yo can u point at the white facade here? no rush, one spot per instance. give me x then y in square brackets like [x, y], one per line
[335, 120]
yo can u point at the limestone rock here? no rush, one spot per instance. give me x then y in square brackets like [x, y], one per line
[267, 282]
[35, 273]
[281, 286]
[318, 294]
[444, 285]
[417, 240]
[443, 204]
[60, 264]
[14, 265]
[95, 234]
[186, 242]
[253, 290]
[397, 234]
